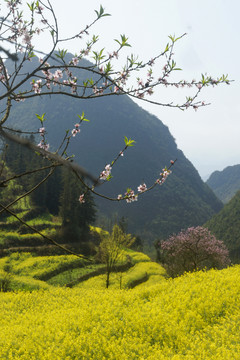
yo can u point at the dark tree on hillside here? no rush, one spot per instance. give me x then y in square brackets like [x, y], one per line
[76, 216]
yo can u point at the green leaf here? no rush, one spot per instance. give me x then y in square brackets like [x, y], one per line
[101, 13]
[167, 47]
[31, 6]
[82, 117]
[123, 41]
[129, 142]
[41, 118]
[108, 68]
[109, 177]
[61, 54]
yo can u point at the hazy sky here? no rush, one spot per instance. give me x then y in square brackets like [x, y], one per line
[210, 136]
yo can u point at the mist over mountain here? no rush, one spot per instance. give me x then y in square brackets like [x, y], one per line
[183, 200]
[225, 183]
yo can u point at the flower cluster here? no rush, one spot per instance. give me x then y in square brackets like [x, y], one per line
[42, 131]
[36, 86]
[106, 172]
[130, 196]
[76, 130]
[163, 176]
[43, 145]
[142, 187]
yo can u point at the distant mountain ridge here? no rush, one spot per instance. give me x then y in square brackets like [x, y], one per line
[225, 183]
[183, 201]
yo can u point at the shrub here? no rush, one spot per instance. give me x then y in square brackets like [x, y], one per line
[193, 249]
[5, 281]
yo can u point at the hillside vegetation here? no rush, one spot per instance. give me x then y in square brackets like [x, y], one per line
[195, 316]
[226, 226]
[225, 183]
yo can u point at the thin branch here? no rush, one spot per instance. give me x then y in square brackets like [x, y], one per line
[31, 190]
[17, 176]
[73, 166]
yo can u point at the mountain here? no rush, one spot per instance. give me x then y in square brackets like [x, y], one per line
[183, 201]
[225, 183]
[226, 226]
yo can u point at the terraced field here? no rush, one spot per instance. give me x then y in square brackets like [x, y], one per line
[143, 315]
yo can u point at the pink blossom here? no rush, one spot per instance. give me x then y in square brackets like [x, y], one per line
[75, 61]
[81, 199]
[40, 9]
[41, 131]
[150, 91]
[43, 145]
[142, 187]
[27, 38]
[140, 95]
[76, 130]
[163, 176]
[193, 249]
[106, 172]
[57, 75]
[36, 86]
[130, 196]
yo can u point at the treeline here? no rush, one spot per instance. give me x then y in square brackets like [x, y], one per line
[57, 195]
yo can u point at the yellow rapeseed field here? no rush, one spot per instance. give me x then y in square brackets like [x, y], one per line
[193, 317]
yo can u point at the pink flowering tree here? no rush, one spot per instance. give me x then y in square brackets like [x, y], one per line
[191, 250]
[54, 74]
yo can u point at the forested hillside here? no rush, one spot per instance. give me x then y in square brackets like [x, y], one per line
[225, 183]
[184, 200]
[226, 226]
